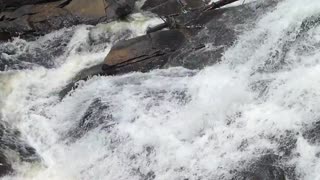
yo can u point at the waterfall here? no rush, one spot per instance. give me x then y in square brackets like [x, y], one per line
[175, 123]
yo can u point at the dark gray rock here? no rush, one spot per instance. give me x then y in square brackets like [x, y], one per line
[221, 27]
[97, 114]
[5, 166]
[266, 168]
[312, 134]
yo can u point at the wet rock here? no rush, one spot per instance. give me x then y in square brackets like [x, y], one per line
[266, 168]
[82, 75]
[97, 114]
[203, 37]
[143, 53]
[45, 17]
[312, 134]
[21, 54]
[219, 30]
[171, 7]
[5, 167]
[11, 142]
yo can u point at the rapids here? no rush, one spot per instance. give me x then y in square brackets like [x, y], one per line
[173, 123]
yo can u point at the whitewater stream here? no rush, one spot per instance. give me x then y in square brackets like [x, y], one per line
[170, 124]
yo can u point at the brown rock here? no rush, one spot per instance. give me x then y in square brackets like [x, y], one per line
[151, 50]
[93, 9]
[45, 17]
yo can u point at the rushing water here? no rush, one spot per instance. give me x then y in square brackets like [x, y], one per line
[173, 123]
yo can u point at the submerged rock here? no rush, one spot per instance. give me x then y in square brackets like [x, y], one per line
[97, 114]
[219, 31]
[82, 75]
[5, 166]
[312, 134]
[45, 17]
[266, 168]
[12, 143]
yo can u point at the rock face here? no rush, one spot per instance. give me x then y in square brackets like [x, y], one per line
[171, 7]
[143, 53]
[45, 17]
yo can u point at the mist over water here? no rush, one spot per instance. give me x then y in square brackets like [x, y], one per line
[173, 123]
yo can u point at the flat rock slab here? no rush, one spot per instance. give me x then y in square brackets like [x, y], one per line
[143, 53]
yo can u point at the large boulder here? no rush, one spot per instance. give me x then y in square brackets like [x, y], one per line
[143, 53]
[45, 17]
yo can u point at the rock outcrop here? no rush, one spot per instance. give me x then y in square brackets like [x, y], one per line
[41, 18]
